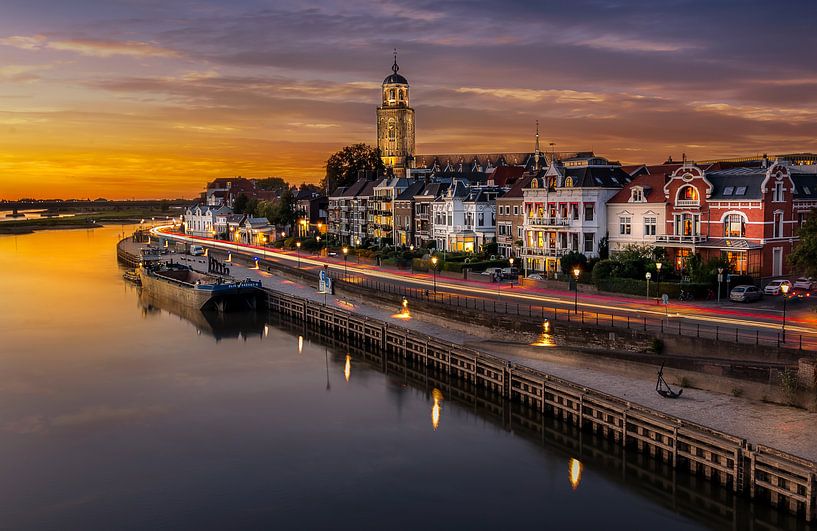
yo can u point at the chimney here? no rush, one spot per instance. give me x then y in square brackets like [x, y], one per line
[764, 163]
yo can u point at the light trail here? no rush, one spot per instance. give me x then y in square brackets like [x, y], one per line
[489, 292]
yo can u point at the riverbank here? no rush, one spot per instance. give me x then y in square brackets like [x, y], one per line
[82, 220]
[782, 427]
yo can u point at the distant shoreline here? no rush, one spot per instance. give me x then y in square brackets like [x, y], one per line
[80, 221]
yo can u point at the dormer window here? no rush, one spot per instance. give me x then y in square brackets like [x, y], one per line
[569, 182]
[637, 195]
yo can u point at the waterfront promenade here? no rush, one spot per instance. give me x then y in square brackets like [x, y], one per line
[785, 428]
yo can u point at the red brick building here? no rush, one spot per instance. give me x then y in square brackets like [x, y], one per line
[749, 215]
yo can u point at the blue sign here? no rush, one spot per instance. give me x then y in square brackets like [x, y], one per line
[325, 283]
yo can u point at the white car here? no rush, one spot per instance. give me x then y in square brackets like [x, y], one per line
[804, 283]
[774, 287]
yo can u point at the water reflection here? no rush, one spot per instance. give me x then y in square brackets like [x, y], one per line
[437, 395]
[347, 369]
[219, 325]
[575, 467]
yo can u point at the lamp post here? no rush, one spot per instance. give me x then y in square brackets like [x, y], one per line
[298, 246]
[720, 279]
[648, 276]
[576, 273]
[658, 279]
[320, 249]
[510, 261]
[345, 256]
[434, 272]
[785, 289]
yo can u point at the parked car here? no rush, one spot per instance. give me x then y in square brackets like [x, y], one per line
[196, 250]
[536, 276]
[774, 287]
[804, 283]
[745, 293]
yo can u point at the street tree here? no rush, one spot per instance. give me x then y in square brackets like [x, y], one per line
[803, 258]
[342, 167]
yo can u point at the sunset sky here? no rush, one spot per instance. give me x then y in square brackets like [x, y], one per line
[152, 98]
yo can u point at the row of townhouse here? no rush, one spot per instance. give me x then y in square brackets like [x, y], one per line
[747, 214]
[220, 222]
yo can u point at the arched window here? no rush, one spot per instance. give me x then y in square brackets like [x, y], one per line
[400, 95]
[391, 94]
[734, 226]
[569, 182]
[392, 130]
[688, 193]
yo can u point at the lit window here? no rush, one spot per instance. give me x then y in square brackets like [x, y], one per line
[733, 226]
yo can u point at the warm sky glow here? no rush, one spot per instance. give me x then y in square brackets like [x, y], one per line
[138, 98]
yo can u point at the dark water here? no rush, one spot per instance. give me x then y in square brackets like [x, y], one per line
[118, 412]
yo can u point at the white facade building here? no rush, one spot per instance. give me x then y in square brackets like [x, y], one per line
[636, 214]
[566, 211]
[200, 220]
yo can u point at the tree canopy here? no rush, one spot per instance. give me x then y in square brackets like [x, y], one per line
[276, 184]
[342, 167]
[804, 256]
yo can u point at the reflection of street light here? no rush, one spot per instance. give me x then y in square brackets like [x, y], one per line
[785, 289]
[345, 256]
[576, 273]
[298, 245]
[434, 271]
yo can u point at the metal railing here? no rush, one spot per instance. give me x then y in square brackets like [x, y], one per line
[679, 238]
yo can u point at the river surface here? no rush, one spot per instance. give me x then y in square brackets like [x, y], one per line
[121, 413]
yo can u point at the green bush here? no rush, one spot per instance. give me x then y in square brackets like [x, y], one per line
[632, 286]
[603, 270]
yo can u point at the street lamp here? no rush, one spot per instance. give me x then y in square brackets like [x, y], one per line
[434, 271]
[576, 273]
[648, 276]
[298, 245]
[658, 279]
[720, 279]
[510, 261]
[785, 289]
[345, 256]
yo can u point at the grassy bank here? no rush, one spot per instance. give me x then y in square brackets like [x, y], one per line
[82, 220]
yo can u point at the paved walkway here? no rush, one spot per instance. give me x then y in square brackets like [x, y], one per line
[788, 429]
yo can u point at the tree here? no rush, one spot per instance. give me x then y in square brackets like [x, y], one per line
[274, 184]
[572, 260]
[342, 167]
[803, 258]
[240, 204]
[283, 211]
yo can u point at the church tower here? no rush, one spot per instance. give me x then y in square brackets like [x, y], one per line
[395, 122]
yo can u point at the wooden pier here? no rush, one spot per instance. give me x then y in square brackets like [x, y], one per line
[764, 474]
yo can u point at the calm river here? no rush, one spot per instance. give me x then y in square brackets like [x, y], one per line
[118, 413]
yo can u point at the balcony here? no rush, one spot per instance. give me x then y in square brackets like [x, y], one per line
[687, 203]
[551, 252]
[680, 239]
[549, 222]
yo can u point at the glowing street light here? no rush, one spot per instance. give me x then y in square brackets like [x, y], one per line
[658, 279]
[510, 261]
[785, 289]
[576, 273]
[345, 257]
[434, 271]
[298, 245]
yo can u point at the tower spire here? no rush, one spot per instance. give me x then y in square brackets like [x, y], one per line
[536, 149]
[394, 67]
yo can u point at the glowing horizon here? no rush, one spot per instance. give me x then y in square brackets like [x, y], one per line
[152, 101]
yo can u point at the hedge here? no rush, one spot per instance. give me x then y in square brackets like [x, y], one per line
[633, 286]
